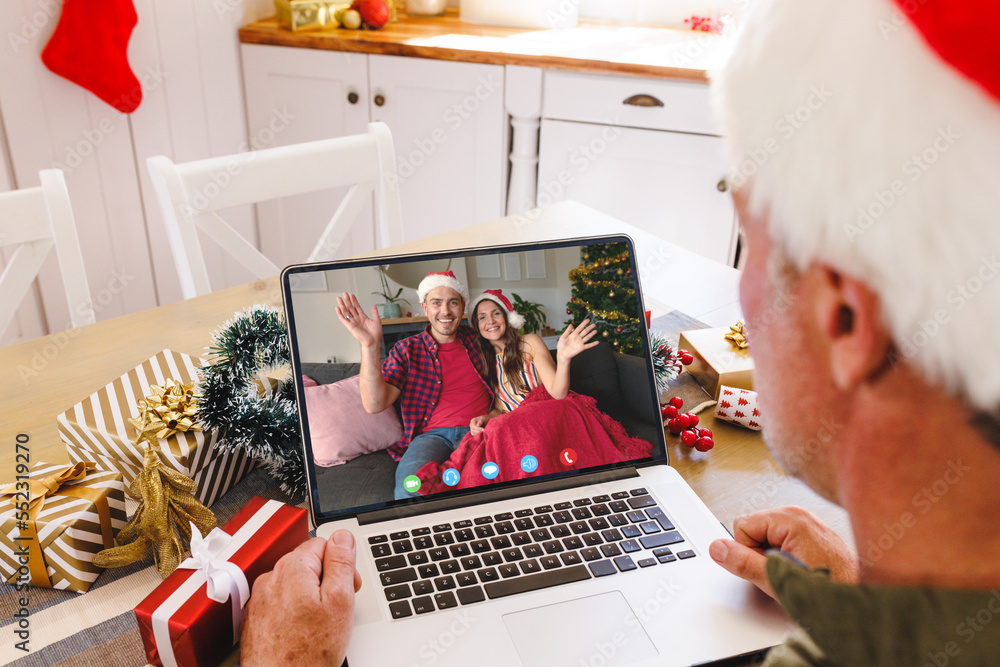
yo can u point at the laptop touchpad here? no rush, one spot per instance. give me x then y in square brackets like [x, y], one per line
[596, 630]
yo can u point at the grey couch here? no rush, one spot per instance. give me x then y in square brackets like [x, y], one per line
[618, 383]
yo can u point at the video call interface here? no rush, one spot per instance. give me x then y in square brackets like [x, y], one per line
[476, 376]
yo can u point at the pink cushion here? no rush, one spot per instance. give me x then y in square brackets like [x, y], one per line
[339, 427]
[309, 382]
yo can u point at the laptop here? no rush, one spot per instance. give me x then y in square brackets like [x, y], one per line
[558, 537]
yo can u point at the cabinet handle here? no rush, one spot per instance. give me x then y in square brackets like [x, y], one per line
[642, 100]
[379, 100]
[722, 185]
[352, 97]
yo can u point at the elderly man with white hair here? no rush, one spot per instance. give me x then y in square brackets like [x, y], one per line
[865, 144]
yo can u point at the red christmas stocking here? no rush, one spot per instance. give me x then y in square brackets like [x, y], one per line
[89, 47]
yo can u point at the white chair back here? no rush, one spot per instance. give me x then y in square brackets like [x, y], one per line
[37, 220]
[190, 194]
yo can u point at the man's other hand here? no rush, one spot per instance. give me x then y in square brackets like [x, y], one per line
[793, 530]
[302, 612]
[478, 424]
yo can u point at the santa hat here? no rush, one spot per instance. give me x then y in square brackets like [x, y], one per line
[514, 318]
[868, 133]
[442, 279]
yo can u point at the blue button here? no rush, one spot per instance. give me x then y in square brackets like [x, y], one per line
[529, 463]
[451, 477]
[490, 470]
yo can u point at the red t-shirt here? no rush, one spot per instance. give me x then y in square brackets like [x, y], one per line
[463, 392]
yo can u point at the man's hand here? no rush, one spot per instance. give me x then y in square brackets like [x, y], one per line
[302, 612]
[366, 330]
[574, 341]
[477, 424]
[792, 530]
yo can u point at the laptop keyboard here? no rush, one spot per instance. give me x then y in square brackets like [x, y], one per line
[450, 564]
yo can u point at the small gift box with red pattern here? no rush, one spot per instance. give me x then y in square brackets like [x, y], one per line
[193, 618]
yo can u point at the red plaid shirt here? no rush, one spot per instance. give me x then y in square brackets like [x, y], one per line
[413, 367]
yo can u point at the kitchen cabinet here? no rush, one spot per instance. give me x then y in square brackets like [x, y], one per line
[642, 150]
[448, 125]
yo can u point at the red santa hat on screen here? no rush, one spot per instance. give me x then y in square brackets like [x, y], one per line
[867, 132]
[441, 279]
[514, 318]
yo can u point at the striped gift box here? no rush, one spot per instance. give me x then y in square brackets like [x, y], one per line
[69, 530]
[97, 429]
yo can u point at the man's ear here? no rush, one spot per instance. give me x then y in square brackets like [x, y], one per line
[850, 319]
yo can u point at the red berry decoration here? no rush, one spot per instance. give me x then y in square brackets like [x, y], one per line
[694, 418]
[618, 330]
[684, 420]
[689, 438]
[704, 433]
[704, 444]
[569, 312]
[686, 358]
[674, 426]
[668, 411]
[677, 402]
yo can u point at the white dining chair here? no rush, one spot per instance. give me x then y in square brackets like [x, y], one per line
[190, 194]
[37, 220]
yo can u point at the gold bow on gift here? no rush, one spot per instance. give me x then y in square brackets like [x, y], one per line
[169, 409]
[167, 506]
[738, 335]
[40, 489]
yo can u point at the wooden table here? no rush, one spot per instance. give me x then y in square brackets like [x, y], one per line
[43, 377]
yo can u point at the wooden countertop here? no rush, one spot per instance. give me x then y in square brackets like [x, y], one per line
[590, 47]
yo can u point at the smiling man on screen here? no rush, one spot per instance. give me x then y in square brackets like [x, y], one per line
[439, 373]
[865, 145]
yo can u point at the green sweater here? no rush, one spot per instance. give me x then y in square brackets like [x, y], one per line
[851, 626]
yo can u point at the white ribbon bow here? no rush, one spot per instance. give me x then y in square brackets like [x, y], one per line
[225, 580]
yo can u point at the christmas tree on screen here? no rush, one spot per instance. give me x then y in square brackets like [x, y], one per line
[602, 292]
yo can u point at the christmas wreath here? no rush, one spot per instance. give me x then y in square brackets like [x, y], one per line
[247, 411]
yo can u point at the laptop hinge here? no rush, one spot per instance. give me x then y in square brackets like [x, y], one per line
[377, 516]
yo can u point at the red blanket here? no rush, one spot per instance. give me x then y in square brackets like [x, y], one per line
[543, 427]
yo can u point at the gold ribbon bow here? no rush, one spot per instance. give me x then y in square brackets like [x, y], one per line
[36, 493]
[169, 409]
[738, 335]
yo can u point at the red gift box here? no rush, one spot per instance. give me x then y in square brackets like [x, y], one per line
[201, 630]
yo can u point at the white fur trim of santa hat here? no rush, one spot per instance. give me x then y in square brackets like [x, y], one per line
[442, 279]
[514, 318]
[868, 152]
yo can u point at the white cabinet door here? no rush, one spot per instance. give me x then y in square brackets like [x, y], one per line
[294, 96]
[666, 183]
[447, 121]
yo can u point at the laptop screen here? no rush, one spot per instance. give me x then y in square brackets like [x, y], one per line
[406, 400]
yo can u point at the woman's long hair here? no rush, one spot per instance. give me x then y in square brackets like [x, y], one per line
[513, 353]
